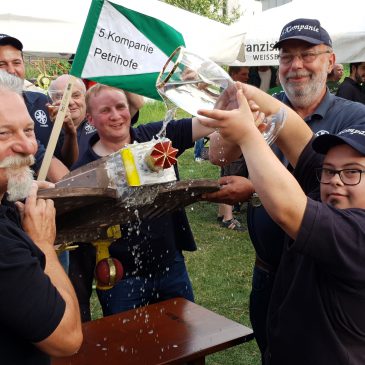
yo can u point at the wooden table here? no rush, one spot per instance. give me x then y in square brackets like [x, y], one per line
[175, 331]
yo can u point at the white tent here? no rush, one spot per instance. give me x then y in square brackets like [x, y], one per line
[345, 24]
[53, 28]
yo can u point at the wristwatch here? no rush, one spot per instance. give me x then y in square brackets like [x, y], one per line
[255, 200]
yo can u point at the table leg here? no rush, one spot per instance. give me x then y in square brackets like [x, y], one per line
[200, 361]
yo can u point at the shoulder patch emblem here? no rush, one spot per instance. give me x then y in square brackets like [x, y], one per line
[89, 128]
[321, 132]
[40, 116]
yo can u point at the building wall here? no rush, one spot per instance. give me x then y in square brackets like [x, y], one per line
[267, 4]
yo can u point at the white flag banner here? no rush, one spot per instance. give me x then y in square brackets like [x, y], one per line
[59, 31]
[124, 48]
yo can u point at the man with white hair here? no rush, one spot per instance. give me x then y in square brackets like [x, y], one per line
[39, 313]
[334, 77]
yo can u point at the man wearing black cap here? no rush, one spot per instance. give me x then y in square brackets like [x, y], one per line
[11, 60]
[7, 40]
[316, 309]
[306, 57]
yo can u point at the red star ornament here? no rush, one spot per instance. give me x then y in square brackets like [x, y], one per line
[162, 156]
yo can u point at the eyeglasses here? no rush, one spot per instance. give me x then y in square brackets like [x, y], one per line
[56, 95]
[306, 57]
[347, 176]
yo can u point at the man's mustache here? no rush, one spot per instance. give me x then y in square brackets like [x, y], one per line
[297, 74]
[17, 161]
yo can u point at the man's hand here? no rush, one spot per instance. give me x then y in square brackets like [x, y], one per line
[38, 219]
[234, 125]
[234, 189]
[189, 75]
[228, 98]
[44, 184]
[68, 124]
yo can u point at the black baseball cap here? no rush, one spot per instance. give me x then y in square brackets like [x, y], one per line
[8, 40]
[308, 30]
[354, 137]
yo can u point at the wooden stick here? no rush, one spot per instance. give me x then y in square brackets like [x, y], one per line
[56, 129]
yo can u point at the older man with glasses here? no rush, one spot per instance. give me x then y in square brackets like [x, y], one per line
[306, 58]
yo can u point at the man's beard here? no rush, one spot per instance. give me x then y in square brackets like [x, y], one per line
[358, 78]
[307, 94]
[19, 175]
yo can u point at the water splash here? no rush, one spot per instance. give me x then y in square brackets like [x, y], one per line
[170, 114]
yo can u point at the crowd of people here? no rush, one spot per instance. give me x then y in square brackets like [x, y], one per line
[306, 223]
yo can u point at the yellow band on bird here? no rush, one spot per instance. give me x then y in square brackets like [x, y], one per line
[130, 167]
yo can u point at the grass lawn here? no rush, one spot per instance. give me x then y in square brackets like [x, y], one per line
[221, 268]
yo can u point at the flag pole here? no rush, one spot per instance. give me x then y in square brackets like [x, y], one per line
[56, 129]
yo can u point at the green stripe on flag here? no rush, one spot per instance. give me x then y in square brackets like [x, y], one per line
[143, 84]
[166, 38]
[86, 37]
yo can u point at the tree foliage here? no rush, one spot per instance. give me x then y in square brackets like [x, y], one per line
[213, 9]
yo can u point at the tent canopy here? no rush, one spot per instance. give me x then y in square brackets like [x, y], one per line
[347, 31]
[52, 28]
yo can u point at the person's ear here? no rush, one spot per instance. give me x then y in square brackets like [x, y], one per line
[331, 63]
[90, 119]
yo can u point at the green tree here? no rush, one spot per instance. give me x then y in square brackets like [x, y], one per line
[213, 9]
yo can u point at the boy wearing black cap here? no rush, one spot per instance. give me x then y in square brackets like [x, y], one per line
[316, 309]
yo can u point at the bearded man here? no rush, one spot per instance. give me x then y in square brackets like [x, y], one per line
[351, 88]
[39, 313]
